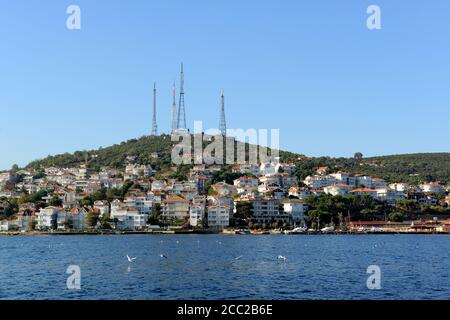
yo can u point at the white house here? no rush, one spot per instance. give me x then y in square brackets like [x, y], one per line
[218, 216]
[63, 220]
[390, 195]
[266, 210]
[129, 219]
[196, 215]
[103, 207]
[402, 187]
[143, 203]
[319, 181]
[434, 187]
[269, 168]
[246, 184]
[46, 218]
[338, 189]
[296, 209]
[344, 178]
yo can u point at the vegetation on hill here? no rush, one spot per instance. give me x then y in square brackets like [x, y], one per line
[412, 168]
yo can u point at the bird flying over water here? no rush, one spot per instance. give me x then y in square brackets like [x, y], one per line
[131, 259]
[282, 258]
[163, 256]
[238, 257]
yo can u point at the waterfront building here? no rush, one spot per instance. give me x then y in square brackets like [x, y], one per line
[46, 218]
[296, 209]
[219, 216]
[102, 206]
[78, 218]
[129, 219]
[25, 218]
[196, 215]
[143, 203]
[267, 211]
[175, 208]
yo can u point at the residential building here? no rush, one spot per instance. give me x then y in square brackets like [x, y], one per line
[129, 219]
[103, 207]
[224, 189]
[175, 208]
[78, 218]
[219, 216]
[338, 189]
[432, 187]
[296, 209]
[267, 211]
[196, 215]
[47, 218]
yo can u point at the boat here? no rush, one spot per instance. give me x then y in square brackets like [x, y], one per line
[275, 231]
[297, 230]
[258, 232]
[229, 231]
[243, 231]
[327, 229]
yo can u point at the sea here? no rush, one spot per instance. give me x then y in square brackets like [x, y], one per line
[232, 267]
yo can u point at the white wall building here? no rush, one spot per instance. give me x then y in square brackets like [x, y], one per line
[296, 209]
[196, 215]
[46, 218]
[218, 216]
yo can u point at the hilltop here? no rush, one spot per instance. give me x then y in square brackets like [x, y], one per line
[411, 168]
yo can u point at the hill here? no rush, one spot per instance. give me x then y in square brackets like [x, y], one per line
[413, 168]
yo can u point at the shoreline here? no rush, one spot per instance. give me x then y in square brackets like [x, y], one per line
[192, 232]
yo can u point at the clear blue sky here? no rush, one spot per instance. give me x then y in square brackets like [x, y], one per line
[310, 68]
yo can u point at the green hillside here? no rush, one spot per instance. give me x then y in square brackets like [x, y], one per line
[413, 168]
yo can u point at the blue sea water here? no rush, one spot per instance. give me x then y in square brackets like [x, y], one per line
[204, 267]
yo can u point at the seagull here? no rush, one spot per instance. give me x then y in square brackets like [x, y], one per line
[282, 258]
[163, 256]
[237, 258]
[130, 259]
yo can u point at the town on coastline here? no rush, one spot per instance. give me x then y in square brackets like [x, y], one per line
[132, 193]
[241, 198]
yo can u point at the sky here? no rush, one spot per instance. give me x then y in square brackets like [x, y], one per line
[309, 68]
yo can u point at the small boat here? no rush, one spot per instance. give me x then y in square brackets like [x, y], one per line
[327, 229]
[258, 232]
[243, 231]
[276, 231]
[297, 230]
[228, 231]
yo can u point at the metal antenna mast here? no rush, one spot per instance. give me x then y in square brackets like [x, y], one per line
[181, 123]
[222, 122]
[154, 125]
[174, 123]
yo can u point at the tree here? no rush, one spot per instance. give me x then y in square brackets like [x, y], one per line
[156, 214]
[92, 218]
[244, 209]
[396, 216]
[55, 201]
[358, 156]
